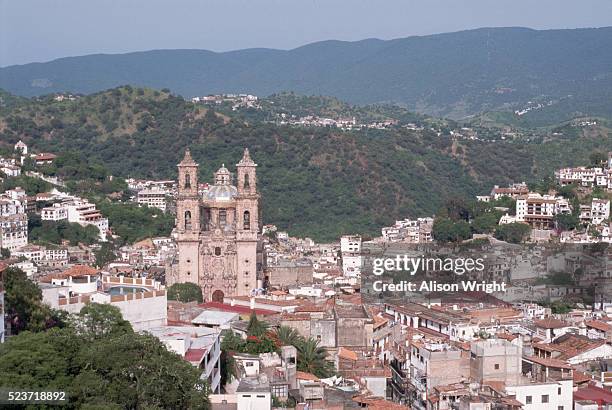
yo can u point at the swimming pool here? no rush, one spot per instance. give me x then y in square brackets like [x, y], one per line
[122, 290]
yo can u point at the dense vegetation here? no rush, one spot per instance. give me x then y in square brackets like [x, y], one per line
[55, 232]
[314, 182]
[454, 74]
[94, 356]
[185, 292]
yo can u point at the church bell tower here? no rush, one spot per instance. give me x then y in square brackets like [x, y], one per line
[188, 219]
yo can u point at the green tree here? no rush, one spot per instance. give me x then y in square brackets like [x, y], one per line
[288, 336]
[5, 253]
[445, 230]
[598, 158]
[566, 222]
[512, 233]
[185, 292]
[105, 255]
[485, 223]
[312, 358]
[256, 327]
[96, 321]
[23, 303]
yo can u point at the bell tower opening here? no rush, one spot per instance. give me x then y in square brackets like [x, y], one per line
[187, 184]
[246, 222]
[187, 220]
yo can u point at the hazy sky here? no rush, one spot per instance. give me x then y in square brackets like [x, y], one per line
[46, 29]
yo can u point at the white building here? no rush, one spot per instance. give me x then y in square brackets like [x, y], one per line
[10, 170]
[409, 231]
[85, 213]
[142, 302]
[553, 395]
[153, 198]
[254, 393]
[200, 346]
[600, 210]
[21, 147]
[10, 206]
[538, 210]
[350, 248]
[13, 231]
[56, 212]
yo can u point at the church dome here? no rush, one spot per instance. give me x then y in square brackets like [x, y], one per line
[220, 193]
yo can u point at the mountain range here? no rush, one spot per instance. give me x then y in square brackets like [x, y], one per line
[454, 75]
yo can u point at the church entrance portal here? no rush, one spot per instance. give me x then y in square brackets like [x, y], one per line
[217, 296]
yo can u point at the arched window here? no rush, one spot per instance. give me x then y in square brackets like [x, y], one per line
[187, 184]
[205, 219]
[246, 180]
[187, 220]
[222, 217]
[246, 220]
[217, 251]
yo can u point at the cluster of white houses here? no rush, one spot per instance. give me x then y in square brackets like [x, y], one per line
[13, 219]
[409, 231]
[76, 210]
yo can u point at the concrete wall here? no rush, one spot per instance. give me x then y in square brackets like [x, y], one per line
[355, 332]
[287, 275]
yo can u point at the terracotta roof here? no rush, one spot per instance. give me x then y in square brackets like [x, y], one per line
[570, 345]
[195, 355]
[599, 325]
[601, 396]
[561, 364]
[305, 376]
[75, 271]
[550, 323]
[580, 377]
[235, 309]
[345, 353]
[495, 385]
[45, 156]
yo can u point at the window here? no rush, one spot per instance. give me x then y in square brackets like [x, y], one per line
[496, 366]
[559, 407]
[187, 184]
[246, 180]
[205, 223]
[246, 220]
[528, 400]
[249, 364]
[222, 217]
[217, 251]
[187, 220]
[545, 398]
[559, 390]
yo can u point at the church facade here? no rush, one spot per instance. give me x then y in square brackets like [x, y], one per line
[218, 231]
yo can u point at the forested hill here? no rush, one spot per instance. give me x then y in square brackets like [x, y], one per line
[452, 75]
[318, 182]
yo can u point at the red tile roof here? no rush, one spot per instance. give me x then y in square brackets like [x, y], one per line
[195, 355]
[560, 364]
[75, 271]
[599, 325]
[235, 309]
[550, 323]
[601, 396]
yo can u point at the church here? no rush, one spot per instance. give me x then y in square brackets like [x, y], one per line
[218, 231]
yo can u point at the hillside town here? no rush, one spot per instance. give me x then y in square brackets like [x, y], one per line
[280, 321]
